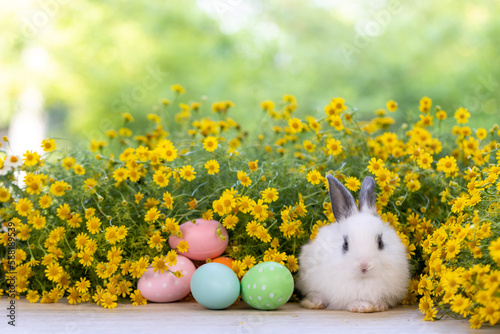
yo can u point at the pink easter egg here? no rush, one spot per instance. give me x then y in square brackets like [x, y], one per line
[165, 287]
[202, 238]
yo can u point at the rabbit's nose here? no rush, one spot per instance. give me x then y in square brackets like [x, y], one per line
[364, 266]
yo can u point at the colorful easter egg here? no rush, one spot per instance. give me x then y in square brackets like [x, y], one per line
[166, 287]
[267, 286]
[215, 286]
[201, 236]
[224, 260]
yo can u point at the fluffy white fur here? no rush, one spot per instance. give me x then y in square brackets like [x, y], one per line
[330, 277]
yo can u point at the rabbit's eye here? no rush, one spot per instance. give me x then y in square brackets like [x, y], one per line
[380, 242]
[345, 247]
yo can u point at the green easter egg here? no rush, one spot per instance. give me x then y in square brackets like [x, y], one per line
[267, 286]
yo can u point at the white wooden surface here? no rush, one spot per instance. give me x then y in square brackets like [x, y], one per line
[180, 318]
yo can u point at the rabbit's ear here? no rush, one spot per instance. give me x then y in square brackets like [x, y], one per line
[367, 197]
[343, 204]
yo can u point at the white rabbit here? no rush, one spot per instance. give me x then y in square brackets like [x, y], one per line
[358, 264]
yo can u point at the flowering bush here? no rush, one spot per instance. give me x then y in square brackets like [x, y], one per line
[87, 225]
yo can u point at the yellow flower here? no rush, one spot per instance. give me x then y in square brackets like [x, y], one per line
[79, 170]
[441, 115]
[462, 115]
[4, 194]
[269, 195]
[425, 120]
[74, 296]
[290, 228]
[93, 224]
[244, 179]
[425, 105]
[295, 125]
[333, 146]
[267, 105]
[183, 246]
[412, 184]
[230, 221]
[338, 104]
[31, 158]
[63, 211]
[59, 188]
[160, 178]
[187, 173]
[32, 296]
[426, 303]
[127, 117]
[461, 305]
[336, 122]
[96, 145]
[68, 162]
[108, 300]
[309, 146]
[24, 206]
[448, 165]
[53, 271]
[137, 298]
[392, 105]
[460, 204]
[494, 249]
[86, 257]
[111, 134]
[139, 267]
[192, 203]
[238, 268]
[156, 240]
[152, 215]
[263, 234]
[159, 264]
[120, 174]
[375, 166]
[48, 145]
[383, 177]
[314, 177]
[481, 133]
[38, 221]
[249, 261]
[451, 281]
[81, 240]
[212, 167]
[111, 234]
[167, 150]
[89, 212]
[425, 160]
[259, 210]
[352, 183]
[171, 257]
[490, 312]
[210, 144]
[252, 227]
[168, 200]
[178, 89]
[89, 185]
[24, 232]
[253, 165]
[452, 249]
[121, 233]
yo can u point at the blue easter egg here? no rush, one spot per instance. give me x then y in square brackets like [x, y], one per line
[215, 286]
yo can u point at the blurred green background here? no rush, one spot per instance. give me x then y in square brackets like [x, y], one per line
[91, 60]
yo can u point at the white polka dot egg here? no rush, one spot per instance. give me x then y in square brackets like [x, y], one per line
[267, 286]
[165, 287]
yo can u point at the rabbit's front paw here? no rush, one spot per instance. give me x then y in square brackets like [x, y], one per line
[312, 304]
[366, 307]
